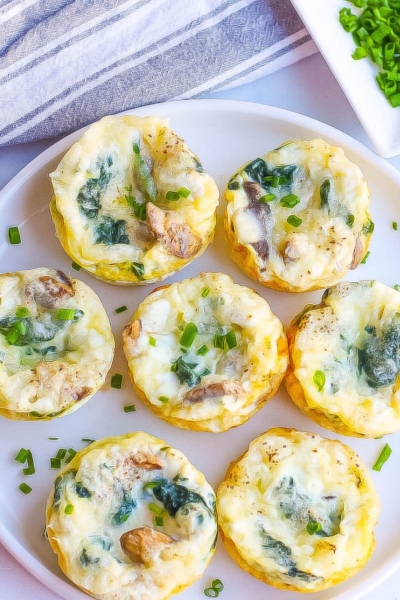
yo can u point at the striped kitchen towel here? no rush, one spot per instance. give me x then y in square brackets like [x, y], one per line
[66, 63]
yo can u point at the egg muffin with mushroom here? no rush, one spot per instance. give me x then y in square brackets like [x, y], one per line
[298, 511]
[132, 204]
[205, 353]
[56, 344]
[297, 218]
[130, 517]
[345, 359]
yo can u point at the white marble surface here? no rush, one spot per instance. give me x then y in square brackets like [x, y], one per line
[307, 87]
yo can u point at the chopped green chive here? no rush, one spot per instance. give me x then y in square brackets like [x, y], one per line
[202, 351]
[66, 314]
[172, 196]
[138, 269]
[219, 341]
[70, 455]
[25, 488]
[55, 463]
[159, 521]
[129, 408]
[150, 485]
[30, 469]
[21, 312]
[13, 336]
[22, 455]
[267, 198]
[61, 453]
[69, 509]
[217, 585]
[211, 592]
[188, 335]
[14, 235]
[155, 508]
[136, 148]
[384, 455]
[87, 440]
[152, 341]
[75, 266]
[52, 438]
[205, 292]
[313, 527]
[350, 220]
[230, 339]
[394, 225]
[121, 309]
[397, 287]
[319, 380]
[294, 221]
[184, 192]
[163, 399]
[364, 260]
[289, 201]
[116, 381]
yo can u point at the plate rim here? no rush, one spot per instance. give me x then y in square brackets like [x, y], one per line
[58, 583]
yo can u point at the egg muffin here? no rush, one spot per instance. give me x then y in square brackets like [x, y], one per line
[297, 218]
[205, 353]
[132, 204]
[298, 511]
[345, 359]
[56, 344]
[130, 517]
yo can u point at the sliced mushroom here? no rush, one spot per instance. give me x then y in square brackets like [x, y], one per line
[130, 335]
[50, 292]
[263, 214]
[357, 254]
[144, 460]
[175, 236]
[140, 544]
[214, 390]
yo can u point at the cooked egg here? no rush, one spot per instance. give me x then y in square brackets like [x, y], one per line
[130, 517]
[297, 218]
[56, 344]
[298, 511]
[345, 359]
[132, 204]
[205, 353]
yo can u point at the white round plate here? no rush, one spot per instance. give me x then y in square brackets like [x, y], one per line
[224, 134]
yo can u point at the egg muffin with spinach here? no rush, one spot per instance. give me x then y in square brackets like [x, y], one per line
[205, 353]
[345, 359]
[298, 511]
[56, 344]
[132, 204]
[130, 517]
[297, 217]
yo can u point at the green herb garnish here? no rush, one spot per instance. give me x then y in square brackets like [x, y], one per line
[14, 235]
[116, 381]
[188, 335]
[120, 309]
[75, 266]
[364, 260]
[66, 314]
[289, 200]
[205, 292]
[313, 527]
[294, 221]
[152, 341]
[69, 509]
[25, 488]
[163, 399]
[129, 408]
[319, 380]
[382, 458]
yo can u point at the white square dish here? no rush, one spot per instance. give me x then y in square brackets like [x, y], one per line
[356, 77]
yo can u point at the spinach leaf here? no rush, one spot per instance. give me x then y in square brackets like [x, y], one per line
[87, 560]
[125, 510]
[268, 176]
[82, 491]
[185, 372]
[174, 496]
[90, 193]
[59, 486]
[144, 174]
[110, 231]
[282, 555]
[104, 542]
[139, 210]
[379, 355]
[324, 193]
